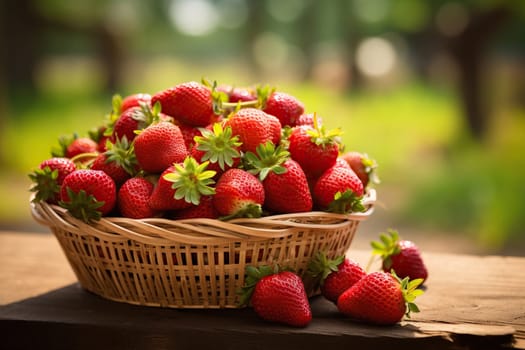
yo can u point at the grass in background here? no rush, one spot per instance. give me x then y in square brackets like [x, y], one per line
[431, 177]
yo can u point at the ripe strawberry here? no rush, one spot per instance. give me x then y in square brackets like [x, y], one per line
[81, 145]
[135, 118]
[118, 161]
[380, 298]
[159, 146]
[334, 276]
[339, 190]
[188, 133]
[308, 120]
[134, 101]
[402, 256]
[133, 198]
[180, 186]
[88, 194]
[315, 149]
[219, 147]
[205, 209]
[282, 179]
[285, 107]
[189, 103]
[236, 94]
[254, 127]
[238, 194]
[363, 166]
[277, 296]
[48, 178]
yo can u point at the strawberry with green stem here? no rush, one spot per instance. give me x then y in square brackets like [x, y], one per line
[282, 178]
[364, 166]
[339, 190]
[315, 149]
[88, 194]
[285, 107]
[399, 255]
[48, 178]
[218, 146]
[380, 298]
[277, 296]
[334, 276]
[135, 118]
[118, 161]
[238, 194]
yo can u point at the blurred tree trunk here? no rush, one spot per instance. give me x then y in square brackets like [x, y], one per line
[468, 51]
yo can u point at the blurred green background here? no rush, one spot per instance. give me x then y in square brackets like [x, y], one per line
[433, 90]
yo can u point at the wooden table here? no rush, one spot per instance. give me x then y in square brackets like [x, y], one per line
[470, 302]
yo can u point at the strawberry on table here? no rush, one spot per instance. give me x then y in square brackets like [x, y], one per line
[190, 103]
[334, 276]
[277, 296]
[339, 190]
[159, 146]
[88, 194]
[282, 178]
[133, 198]
[238, 194]
[48, 178]
[402, 256]
[380, 298]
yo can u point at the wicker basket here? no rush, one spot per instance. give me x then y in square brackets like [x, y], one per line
[196, 263]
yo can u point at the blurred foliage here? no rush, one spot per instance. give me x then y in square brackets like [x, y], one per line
[436, 174]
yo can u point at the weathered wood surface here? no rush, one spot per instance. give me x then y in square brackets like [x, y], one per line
[470, 302]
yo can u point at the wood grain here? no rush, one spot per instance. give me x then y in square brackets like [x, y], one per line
[470, 302]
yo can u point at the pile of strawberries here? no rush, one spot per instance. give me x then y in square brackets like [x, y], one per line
[380, 297]
[207, 151]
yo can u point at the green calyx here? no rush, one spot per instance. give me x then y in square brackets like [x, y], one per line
[122, 153]
[45, 184]
[320, 267]
[387, 247]
[322, 137]
[370, 168]
[346, 202]
[410, 290]
[219, 145]
[268, 159]
[263, 94]
[112, 117]
[250, 210]
[82, 206]
[147, 115]
[253, 276]
[191, 180]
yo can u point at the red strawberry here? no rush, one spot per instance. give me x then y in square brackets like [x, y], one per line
[180, 186]
[334, 276]
[339, 190]
[81, 145]
[118, 161]
[48, 178]
[236, 94]
[277, 296]
[159, 146]
[219, 147]
[238, 194]
[133, 197]
[282, 179]
[363, 166]
[254, 127]
[188, 133]
[402, 256]
[315, 149]
[380, 298]
[190, 103]
[134, 101]
[285, 107]
[136, 118]
[205, 209]
[308, 120]
[88, 194]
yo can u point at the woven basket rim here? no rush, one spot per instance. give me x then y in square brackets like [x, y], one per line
[200, 230]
